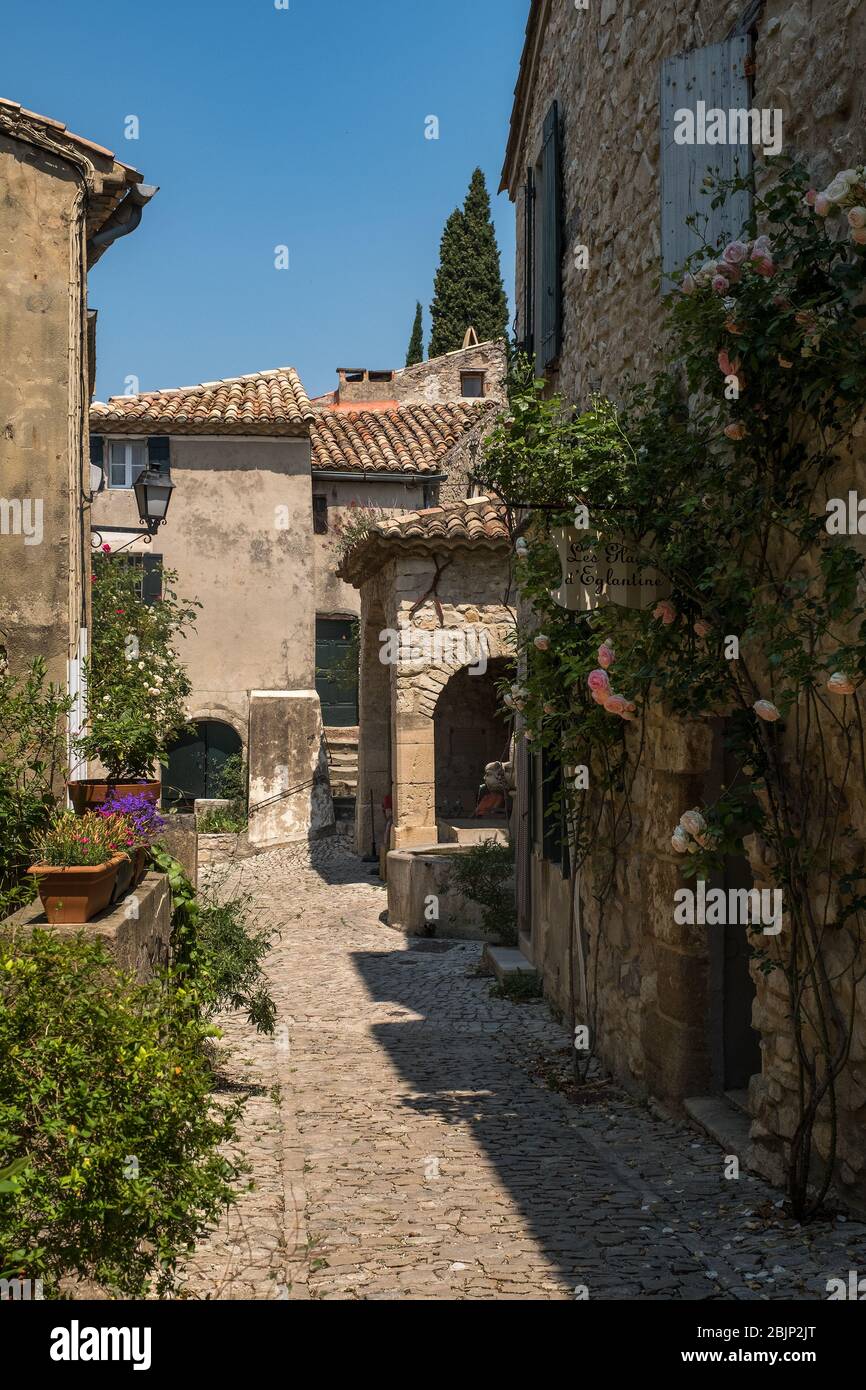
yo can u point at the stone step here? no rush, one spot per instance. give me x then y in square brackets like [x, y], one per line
[503, 961]
[473, 832]
[723, 1121]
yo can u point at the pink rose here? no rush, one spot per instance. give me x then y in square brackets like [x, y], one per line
[857, 217]
[616, 704]
[766, 710]
[720, 284]
[665, 611]
[689, 284]
[598, 680]
[599, 696]
[606, 655]
[840, 683]
[703, 628]
[821, 204]
[735, 253]
[810, 197]
[736, 431]
[763, 265]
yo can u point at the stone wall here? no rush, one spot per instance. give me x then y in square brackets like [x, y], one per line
[650, 985]
[398, 700]
[439, 379]
[136, 930]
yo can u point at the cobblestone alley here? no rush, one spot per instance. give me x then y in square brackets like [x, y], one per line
[405, 1140]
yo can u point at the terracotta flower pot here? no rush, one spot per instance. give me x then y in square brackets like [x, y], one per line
[139, 864]
[125, 878]
[91, 794]
[73, 895]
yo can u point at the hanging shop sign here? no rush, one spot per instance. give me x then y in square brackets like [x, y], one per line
[599, 570]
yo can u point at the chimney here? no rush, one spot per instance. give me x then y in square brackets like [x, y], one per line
[362, 386]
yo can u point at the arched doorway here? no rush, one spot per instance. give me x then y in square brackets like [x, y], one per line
[196, 761]
[470, 731]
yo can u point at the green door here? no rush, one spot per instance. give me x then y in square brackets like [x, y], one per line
[196, 761]
[337, 671]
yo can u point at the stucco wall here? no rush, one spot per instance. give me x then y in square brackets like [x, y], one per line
[334, 596]
[42, 391]
[240, 536]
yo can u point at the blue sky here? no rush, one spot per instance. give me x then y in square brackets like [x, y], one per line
[263, 127]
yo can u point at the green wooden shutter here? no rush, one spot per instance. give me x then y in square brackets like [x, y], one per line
[159, 453]
[528, 325]
[715, 75]
[548, 316]
[97, 449]
[151, 581]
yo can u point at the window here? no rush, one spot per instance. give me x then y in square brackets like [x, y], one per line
[148, 570]
[126, 460]
[431, 494]
[472, 384]
[320, 514]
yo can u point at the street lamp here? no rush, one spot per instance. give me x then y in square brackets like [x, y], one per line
[152, 493]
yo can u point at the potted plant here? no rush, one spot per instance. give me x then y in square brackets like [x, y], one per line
[145, 822]
[76, 868]
[137, 686]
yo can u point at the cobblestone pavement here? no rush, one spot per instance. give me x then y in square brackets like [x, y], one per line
[404, 1141]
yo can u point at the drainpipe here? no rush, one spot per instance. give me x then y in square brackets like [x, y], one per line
[123, 220]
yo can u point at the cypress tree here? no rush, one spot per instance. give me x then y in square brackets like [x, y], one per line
[447, 311]
[468, 289]
[486, 306]
[416, 342]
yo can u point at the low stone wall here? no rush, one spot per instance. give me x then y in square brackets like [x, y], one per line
[419, 884]
[180, 839]
[137, 930]
[216, 849]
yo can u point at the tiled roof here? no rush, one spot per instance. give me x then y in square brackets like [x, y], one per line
[266, 403]
[403, 439]
[475, 519]
[476, 523]
[111, 178]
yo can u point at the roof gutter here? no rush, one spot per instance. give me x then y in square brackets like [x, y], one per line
[123, 220]
[342, 475]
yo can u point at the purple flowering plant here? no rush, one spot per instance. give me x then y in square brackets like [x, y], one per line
[146, 820]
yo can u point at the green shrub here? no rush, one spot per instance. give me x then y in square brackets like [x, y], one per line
[221, 821]
[107, 1121]
[32, 752]
[232, 787]
[485, 874]
[213, 944]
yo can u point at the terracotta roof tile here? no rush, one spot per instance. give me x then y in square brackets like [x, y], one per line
[474, 523]
[403, 439]
[266, 403]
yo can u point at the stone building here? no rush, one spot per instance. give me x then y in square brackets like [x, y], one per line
[64, 201]
[591, 166]
[437, 628]
[265, 484]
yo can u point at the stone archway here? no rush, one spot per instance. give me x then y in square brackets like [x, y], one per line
[470, 730]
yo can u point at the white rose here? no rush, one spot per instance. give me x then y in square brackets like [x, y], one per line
[680, 840]
[693, 822]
